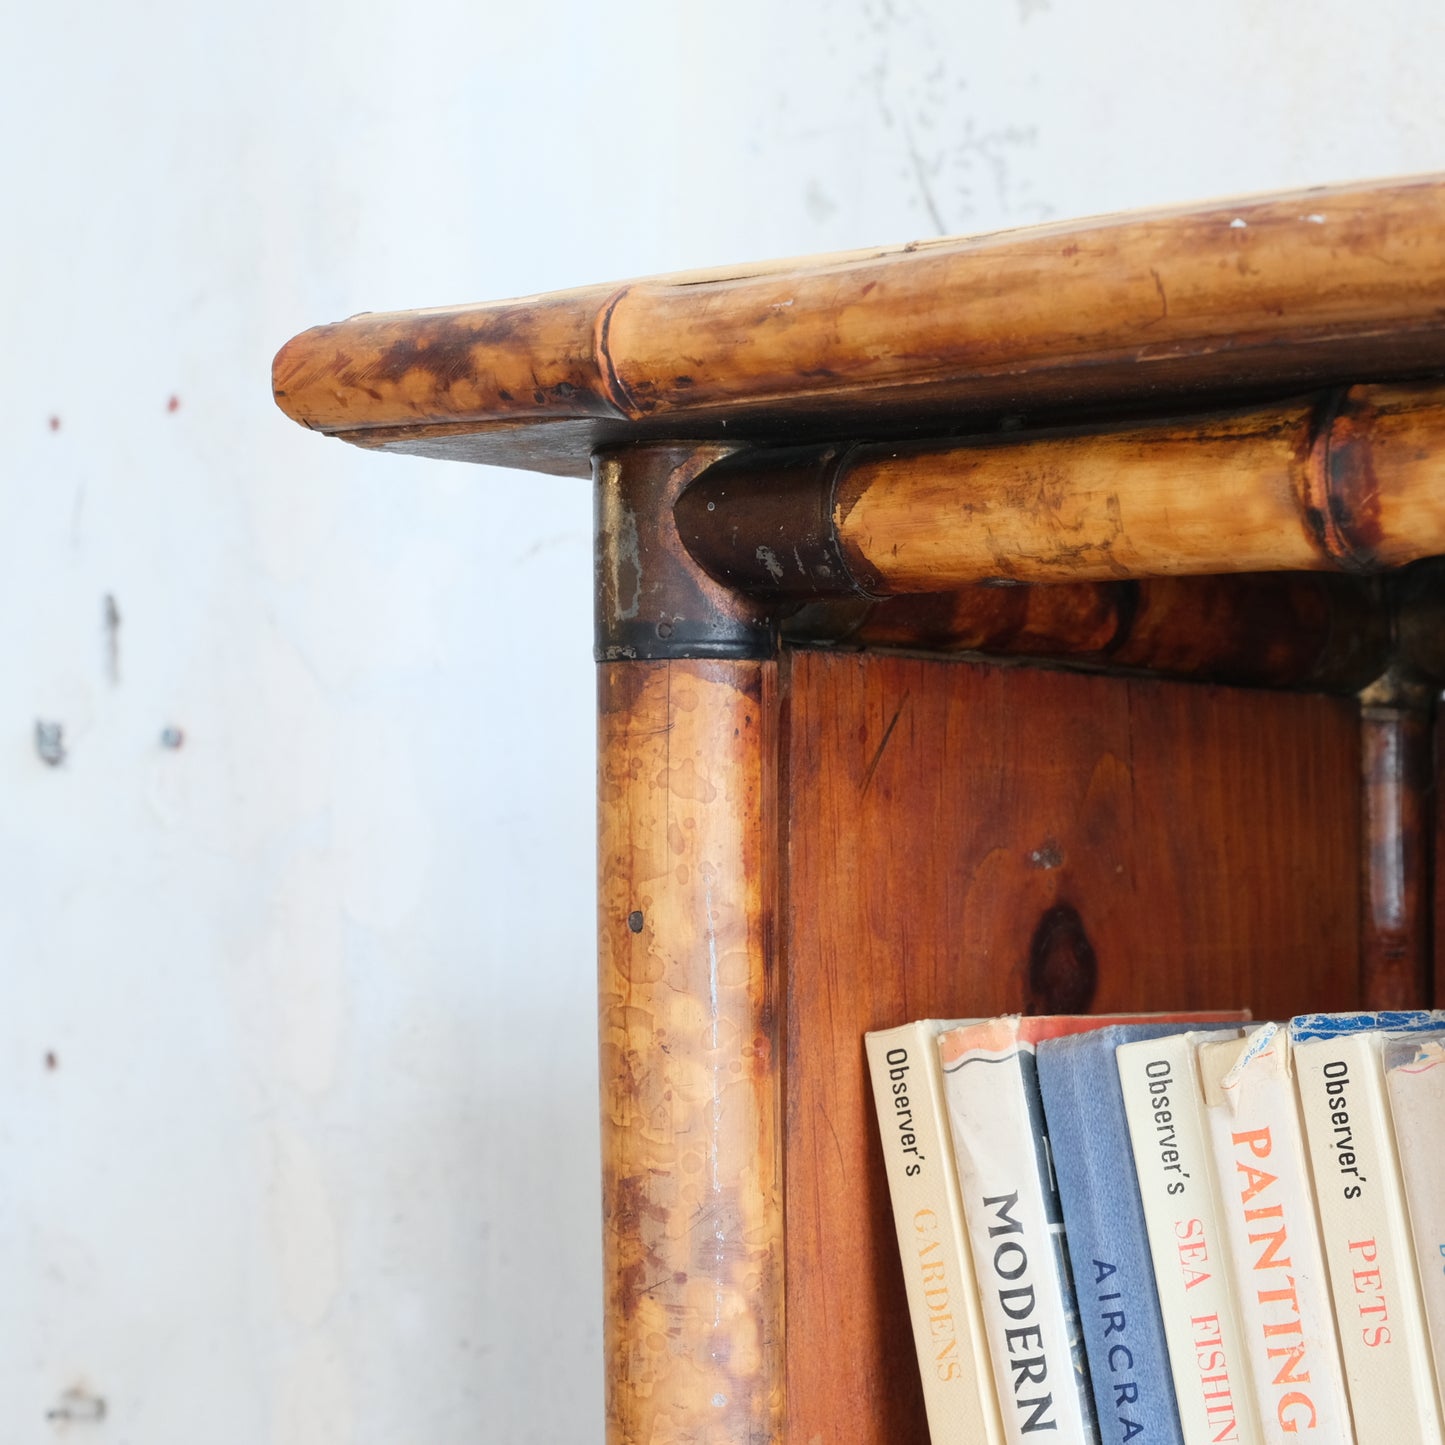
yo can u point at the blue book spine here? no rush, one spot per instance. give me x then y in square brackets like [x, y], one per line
[1304, 1027]
[1108, 1240]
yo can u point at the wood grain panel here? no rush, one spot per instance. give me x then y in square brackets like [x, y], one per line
[966, 839]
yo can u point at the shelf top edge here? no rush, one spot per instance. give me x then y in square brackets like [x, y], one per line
[1140, 309]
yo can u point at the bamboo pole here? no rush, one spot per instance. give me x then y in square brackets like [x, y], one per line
[1396, 766]
[1348, 481]
[690, 1061]
[1247, 297]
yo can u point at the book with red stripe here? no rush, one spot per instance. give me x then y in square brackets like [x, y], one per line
[1269, 1219]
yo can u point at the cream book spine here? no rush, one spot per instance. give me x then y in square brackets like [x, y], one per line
[1015, 1227]
[1277, 1264]
[1191, 1259]
[943, 1302]
[1366, 1236]
[1415, 1086]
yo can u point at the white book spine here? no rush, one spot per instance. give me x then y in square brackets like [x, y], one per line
[1366, 1236]
[1191, 1259]
[1031, 1324]
[1415, 1085]
[943, 1301]
[1277, 1264]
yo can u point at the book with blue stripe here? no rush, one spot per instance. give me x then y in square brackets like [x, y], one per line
[1308, 1028]
[1364, 1223]
[1093, 1161]
[1415, 1086]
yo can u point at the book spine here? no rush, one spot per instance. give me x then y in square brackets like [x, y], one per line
[1276, 1261]
[1415, 1087]
[1366, 1238]
[943, 1300]
[1171, 1153]
[1015, 1227]
[1108, 1248]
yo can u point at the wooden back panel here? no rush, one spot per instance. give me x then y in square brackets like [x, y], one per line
[961, 839]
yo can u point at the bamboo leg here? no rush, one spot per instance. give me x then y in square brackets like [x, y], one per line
[689, 1054]
[1395, 756]
[1437, 838]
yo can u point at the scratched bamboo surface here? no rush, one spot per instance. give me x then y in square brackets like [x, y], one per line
[688, 1011]
[967, 839]
[1258, 295]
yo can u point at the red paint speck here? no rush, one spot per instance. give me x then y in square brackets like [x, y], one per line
[55, 423]
[174, 404]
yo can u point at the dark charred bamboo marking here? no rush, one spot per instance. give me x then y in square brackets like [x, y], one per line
[766, 522]
[612, 383]
[1337, 490]
[652, 599]
[1354, 489]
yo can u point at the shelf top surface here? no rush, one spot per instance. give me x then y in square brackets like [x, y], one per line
[1138, 311]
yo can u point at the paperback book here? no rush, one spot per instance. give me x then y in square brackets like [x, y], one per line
[1363, 1222]
[1165, 1110]
[1015, 1218]
[1415, 1086]
[943, 1298]
[1107, 1239]
[1269, 1219]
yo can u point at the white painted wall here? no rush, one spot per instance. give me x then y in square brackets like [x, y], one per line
[316, 1161]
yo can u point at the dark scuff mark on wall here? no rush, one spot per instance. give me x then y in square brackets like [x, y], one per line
[78, 1404]
[50, 741]
[112, 639]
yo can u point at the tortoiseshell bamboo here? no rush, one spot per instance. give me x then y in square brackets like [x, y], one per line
[691, 1078]
[1351, 481]
[1396, 746]
[1261, 295]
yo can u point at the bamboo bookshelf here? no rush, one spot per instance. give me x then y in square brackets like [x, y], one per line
[1044, 621]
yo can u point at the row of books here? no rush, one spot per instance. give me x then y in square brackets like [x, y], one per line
[1174, 1228]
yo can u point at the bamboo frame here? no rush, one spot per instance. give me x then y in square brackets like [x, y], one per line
[1266, 294]
[1348, 481]
[689, 1048]
[748, 493]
